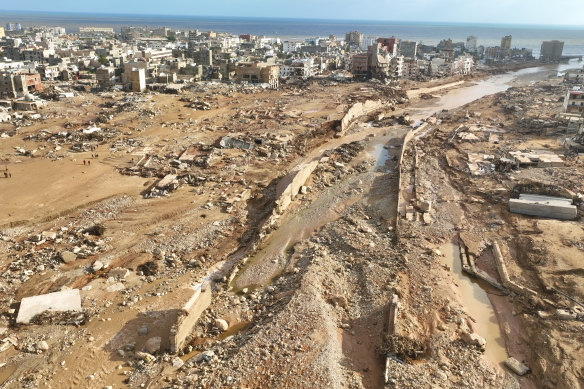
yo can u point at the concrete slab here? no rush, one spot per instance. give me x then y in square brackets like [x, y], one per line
[65, 300]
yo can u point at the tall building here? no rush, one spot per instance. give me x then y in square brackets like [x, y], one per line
[389, 44]
[506, 42]
[551, 50]
[354, 38]
[408, 49]
[471, 43]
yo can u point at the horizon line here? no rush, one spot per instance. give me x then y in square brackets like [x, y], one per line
[515, 24]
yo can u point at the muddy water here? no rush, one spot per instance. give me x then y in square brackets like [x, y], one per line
[494, 84]
[477, 304]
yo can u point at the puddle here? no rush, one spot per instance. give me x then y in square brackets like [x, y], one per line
[380, 154]
[476, 303]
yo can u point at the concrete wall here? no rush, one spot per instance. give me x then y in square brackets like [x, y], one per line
[359, 109]
[504, 275]
[190, 312]
[407, 138]
[290, 185]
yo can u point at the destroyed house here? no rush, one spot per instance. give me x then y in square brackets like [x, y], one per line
[574, 102]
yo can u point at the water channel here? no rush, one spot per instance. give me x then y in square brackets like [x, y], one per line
[328, 206]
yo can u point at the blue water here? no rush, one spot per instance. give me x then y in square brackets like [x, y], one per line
[524, 36]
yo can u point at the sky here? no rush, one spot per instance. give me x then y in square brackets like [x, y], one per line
[541, 12]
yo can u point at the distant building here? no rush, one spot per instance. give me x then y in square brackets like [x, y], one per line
[256, 73]
[138, 80]
[506, 42]
[96, 30]
[359, 65]
[409, 49]
[389, 45]
[105, 77]
[354, 38]
[471, 44]
[13, 27]
[290, 47]
[2, 32]
[551, 50]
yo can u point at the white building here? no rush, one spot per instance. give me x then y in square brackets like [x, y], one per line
[290, 47]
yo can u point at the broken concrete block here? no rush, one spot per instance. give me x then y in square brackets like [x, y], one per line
[516, 367]
[199, 299]
[65, 300]
[68, 256]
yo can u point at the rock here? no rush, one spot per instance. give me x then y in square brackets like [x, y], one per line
[145, 356]
[115, 287]
[177, 363]
[474, 340]
[152, 345]
[68, 256]
[119, 273]
[221, 324]
[516, 367]
[425, 205]
[42, 345]
[204, 356]
[143, 330]
[97, 266]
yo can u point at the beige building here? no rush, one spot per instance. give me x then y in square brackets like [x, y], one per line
[256, 73]
[138, 80]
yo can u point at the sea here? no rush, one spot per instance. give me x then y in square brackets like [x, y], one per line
[524, 36]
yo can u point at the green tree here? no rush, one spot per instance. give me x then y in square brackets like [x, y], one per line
[171, 38]
[102, 59]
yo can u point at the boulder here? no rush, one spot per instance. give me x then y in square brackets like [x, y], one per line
[68, 256]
